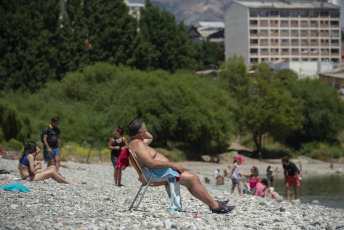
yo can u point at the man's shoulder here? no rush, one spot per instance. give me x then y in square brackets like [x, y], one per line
[46, 129]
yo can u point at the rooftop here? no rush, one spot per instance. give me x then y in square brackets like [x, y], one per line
[286, 5]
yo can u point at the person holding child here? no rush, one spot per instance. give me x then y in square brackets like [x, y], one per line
[292, 177]
[234, 174]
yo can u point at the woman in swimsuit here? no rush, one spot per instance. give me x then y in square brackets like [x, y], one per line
[116, 144]
[29, 171]
[254, 178]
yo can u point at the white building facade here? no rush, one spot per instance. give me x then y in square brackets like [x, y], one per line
[288, 30]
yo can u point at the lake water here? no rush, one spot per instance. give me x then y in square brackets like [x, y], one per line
[328, 190]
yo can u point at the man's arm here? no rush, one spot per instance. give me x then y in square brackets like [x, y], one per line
[143, 153]
[59, 142]
[148, 138]
[45, 136]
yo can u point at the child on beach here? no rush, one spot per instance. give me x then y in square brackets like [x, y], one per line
[234, 174]
[254, 178]
[261, 188]
[270, 176]
[292, 176]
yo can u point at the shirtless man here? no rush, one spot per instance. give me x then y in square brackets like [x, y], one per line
[150, 158]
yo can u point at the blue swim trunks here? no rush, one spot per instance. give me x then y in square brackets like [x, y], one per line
[50, 156]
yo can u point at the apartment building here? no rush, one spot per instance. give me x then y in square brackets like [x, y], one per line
[285, 30]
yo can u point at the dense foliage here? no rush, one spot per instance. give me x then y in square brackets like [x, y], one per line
[292, 111]
[39, 44]
[180, 110]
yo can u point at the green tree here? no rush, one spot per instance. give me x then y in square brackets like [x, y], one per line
[234, 72]
[271, 107]
[162, 43]
[28, 43]
[322, 109]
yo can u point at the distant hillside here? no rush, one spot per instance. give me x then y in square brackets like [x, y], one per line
[192, 11]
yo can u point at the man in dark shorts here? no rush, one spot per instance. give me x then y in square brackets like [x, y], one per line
[52, 143]
[292, 176]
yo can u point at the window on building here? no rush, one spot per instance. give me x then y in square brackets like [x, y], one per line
[334, 23]
[304, 32]
[295, 41]
[294, 32]
[285, 41]
[304, 42]
[295, 59]
[264, 59]
[263, 13]
[285, 50]
[253, 13]
[253, 60]
[253, 22]
[334, 14]
[324, 13]
[313, 41]
[314, 32]
[304, 23]
[274, 50]
[264, 31]
[313, 23]
[264, 41]
[295, 50]
[284, 32]
[253, 31]
[314, 59]
[273, 13]
[264, 50]
[314, 50]
[264, 22]
[334, 41]
[313, 14]
[294, 22]
[284, 13]
[253, 50]
[303, 13]
[284, 23]
[273, 22]
[253, 41]
[334, 51]
[294, 13]
[304, 50]
[334, 32]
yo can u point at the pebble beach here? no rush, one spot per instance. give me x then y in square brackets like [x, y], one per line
[101, 205]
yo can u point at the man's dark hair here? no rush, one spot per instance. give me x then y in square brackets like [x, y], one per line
[285, 159]
[55, 119]
[134, 126]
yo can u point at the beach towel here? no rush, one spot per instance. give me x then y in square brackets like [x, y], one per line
[173, 188]
[173, 191]
[15, 187]
[123, 159]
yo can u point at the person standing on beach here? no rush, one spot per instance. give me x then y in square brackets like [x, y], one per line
[116, 144]
[234, 174]
[52, 143]
[148, 157]
[292, 177]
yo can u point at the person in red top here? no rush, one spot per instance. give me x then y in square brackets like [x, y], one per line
[292, 176]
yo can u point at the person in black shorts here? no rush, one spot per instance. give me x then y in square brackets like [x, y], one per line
[116, 144]
[52, 143]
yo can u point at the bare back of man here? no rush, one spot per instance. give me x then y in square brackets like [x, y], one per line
[150, 158]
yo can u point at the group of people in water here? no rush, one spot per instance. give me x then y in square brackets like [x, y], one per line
[264, 187]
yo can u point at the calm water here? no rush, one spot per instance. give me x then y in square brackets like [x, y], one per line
[328, 190]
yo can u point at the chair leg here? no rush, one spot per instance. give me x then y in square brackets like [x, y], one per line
[137, 194]
[144, 191]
